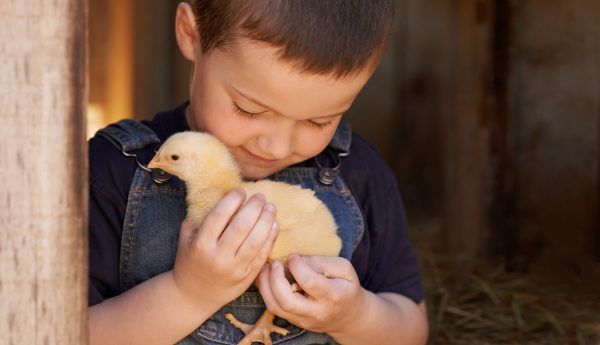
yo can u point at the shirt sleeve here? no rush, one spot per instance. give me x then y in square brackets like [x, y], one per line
[392, 256]
[385, 259]
[107, 201]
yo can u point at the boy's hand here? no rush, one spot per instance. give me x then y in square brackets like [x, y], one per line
[218, 260]
[332, 299]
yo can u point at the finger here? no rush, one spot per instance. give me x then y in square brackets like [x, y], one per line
[311, 279]
[261, 258]
[328, 266]
[264, 287]
[288, 301]
[242, 223]
[257, 238]
[218, 217]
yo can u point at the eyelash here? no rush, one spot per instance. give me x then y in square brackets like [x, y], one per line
[319, 125]
[250, 115]
[243, 112]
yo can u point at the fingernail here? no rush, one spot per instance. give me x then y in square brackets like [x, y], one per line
[259, 196]
[240, 191]
[275, 226]
[270, 208]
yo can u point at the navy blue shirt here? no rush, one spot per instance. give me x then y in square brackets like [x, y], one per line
[384, 259]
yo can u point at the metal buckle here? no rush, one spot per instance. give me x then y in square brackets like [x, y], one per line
[158, 176]
[328, 175]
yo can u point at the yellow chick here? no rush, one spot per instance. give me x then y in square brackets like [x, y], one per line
[306, 226]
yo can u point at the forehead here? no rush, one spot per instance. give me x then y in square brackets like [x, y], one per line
[255, 69]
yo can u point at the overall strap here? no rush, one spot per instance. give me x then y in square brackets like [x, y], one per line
[342, 138]
[129, 135]
[340, 143]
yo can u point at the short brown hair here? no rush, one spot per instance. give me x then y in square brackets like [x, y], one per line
[335, 37]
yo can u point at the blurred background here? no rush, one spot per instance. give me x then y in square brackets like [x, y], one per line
[488, 111]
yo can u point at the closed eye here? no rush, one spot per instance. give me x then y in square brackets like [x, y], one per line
[313, 124]
[319, 125]
[243, 112]
[324, 122]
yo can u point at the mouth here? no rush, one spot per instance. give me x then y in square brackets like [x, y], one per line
[258, 158]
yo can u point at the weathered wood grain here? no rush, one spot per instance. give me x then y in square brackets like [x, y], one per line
[43, 204]
[441, 157]
[555, 95]
[494, 131]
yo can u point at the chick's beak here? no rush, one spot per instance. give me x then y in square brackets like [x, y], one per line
[156, 163]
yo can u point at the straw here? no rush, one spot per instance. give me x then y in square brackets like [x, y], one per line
[477, 302]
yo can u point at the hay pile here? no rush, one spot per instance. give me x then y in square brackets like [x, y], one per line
[481, 303]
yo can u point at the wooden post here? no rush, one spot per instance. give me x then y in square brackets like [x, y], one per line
[43, 203]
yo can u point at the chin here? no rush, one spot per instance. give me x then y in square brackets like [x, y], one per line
[257, 173]
[254, 174]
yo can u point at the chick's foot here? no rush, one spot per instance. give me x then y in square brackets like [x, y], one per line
[259, 332]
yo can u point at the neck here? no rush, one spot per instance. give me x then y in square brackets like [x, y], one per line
[189, 118]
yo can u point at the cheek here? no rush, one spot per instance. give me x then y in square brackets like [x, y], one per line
[228, 128]
[214, 115]
[311, 142]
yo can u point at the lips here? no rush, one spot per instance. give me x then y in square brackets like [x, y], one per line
[258, 158]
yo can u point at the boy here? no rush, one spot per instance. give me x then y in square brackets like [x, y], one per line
[271, 80]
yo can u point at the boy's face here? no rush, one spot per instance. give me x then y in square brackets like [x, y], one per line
[269, 115]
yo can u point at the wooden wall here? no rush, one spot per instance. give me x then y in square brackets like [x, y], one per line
[161, 73]
[135, 66]
[496, 127]
[111, 74]
[554, 86]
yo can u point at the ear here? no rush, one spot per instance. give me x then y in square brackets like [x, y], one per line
[186, 33]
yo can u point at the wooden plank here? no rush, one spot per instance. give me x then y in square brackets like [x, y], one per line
[445, 75]
[398, 111]
[43, 207]
[161, 74]
[426, 109]
[502, 173]
[111, 59]
[464, 137]
[555, 94]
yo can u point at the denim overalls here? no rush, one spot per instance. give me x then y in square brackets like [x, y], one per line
[155, 212]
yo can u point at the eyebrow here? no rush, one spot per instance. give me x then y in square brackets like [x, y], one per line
[274, 110]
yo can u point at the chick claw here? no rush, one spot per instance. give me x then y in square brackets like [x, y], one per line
[296, 288]
[259, 332]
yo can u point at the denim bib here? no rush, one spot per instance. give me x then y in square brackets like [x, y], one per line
[155, 212]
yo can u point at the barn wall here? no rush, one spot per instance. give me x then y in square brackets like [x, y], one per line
[495, 127]
[487, 111]
[555, 96]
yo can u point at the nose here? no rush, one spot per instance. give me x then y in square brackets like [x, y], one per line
[277, 144]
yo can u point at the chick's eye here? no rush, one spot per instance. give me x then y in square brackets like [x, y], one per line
[174, 157]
